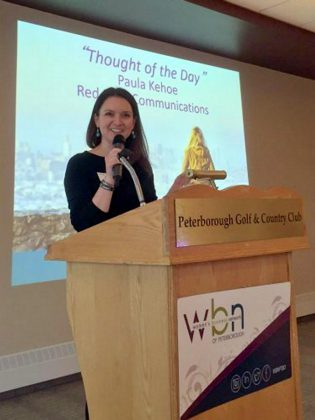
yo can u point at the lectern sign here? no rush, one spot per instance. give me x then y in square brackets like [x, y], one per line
[202, 221]
[231, 344]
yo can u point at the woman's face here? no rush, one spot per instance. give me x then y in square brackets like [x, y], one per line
[115, 117]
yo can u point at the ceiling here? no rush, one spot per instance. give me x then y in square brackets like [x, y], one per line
[299, 13]
[277, 34]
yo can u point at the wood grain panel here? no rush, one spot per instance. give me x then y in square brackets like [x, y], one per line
[120, 319]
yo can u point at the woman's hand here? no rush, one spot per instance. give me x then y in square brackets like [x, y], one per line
[111, 160]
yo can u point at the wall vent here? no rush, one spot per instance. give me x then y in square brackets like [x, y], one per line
[37, 365]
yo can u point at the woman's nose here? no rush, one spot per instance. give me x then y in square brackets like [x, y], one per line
[117, 119]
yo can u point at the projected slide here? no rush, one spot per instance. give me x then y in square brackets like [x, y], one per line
[59, 76]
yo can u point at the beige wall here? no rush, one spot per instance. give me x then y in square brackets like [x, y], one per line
[280, 141]
[279, 118]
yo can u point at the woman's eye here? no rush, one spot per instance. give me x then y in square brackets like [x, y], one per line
[111, 114]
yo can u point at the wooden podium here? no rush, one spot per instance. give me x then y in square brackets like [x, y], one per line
[125, 277]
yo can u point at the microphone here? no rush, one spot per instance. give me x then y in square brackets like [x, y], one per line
[118, 142]
[126, 157]
[198, 174]
[127, 154]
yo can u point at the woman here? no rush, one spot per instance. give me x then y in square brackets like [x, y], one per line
[89, 183]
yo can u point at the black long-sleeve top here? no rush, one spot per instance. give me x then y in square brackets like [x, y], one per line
[82, 181]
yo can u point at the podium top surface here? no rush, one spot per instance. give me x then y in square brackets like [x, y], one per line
[194, 224]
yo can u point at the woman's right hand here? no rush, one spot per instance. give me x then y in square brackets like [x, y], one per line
[111, 160]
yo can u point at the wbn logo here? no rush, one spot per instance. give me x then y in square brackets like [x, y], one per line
[220, 320]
